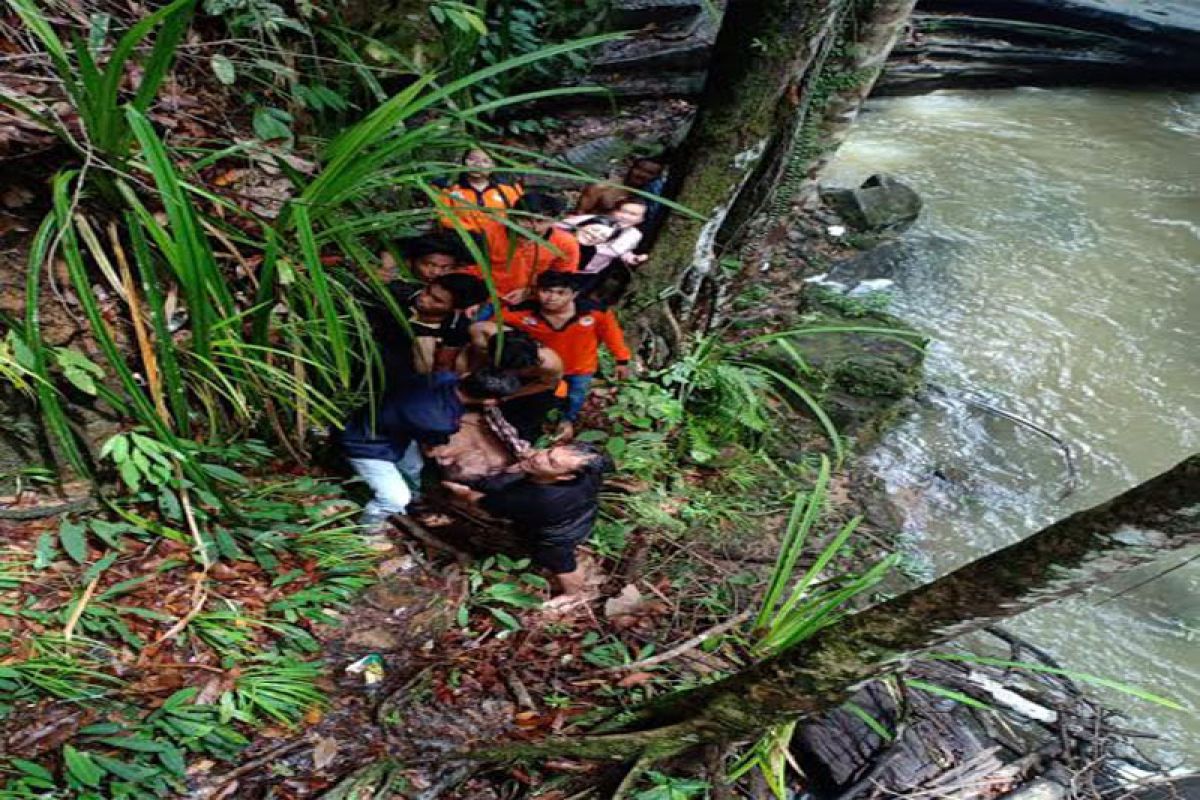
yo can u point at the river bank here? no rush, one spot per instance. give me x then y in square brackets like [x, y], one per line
[1056, 281]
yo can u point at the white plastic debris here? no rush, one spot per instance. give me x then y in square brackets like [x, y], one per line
[871, 287]
[836, 230]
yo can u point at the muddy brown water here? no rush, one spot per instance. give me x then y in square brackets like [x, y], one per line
[1055, 268]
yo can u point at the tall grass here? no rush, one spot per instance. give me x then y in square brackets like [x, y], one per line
[96, 92]
[794, 607]
[209, 362]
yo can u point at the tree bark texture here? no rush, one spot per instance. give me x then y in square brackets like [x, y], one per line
[872, 35]
[762, 52]
[1065, 558]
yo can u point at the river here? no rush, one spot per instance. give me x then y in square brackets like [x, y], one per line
[1055, 268]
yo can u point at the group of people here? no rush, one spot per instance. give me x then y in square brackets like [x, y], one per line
[483, 390]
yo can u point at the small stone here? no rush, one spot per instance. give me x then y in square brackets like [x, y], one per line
[380, 638]
[394, 566]
[395, 592]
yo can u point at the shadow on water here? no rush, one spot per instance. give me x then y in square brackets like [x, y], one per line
[1055, 268]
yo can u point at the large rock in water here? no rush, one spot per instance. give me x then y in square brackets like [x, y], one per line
[880, 204]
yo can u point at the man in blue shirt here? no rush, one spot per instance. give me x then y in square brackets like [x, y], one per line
[383, 445]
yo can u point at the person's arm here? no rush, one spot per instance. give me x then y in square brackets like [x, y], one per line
[610, 333]
[569, 260]
[623, 245]
[463, 492]
[546, 375]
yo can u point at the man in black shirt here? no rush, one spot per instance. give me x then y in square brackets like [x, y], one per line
[434, 328]
[552, 498]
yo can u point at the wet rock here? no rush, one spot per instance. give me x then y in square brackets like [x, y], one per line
[878, 263]
[861, 380]
[597, 155]
[686, 83]
[687, 48]
[971, 43]
[636, 13]
[880, 204]
[1040, 789]
[396, 593]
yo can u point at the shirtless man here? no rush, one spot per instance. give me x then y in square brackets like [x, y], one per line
[645, 174]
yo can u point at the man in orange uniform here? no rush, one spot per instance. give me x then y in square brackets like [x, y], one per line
[574, 328]
[516, 260]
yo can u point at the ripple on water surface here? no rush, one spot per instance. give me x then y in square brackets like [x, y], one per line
[1055, 267]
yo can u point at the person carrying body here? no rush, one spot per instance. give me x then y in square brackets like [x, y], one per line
[477, 186]
[645, 174]
[433, 327]
[383, 443]
[538, 367]
[516, 260]
[552, 497]
[574, 328]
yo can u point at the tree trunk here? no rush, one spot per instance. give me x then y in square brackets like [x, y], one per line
[761, 55]
[1065, 558]
[875, 33]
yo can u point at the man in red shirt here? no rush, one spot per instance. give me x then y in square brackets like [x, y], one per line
[574, 328]
[516, 260]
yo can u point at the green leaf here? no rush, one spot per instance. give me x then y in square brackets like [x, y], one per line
[942, 691]
[81, 767]
[1083, 677]
[95, 570]
[30, 768]
[272, 123]
[124, 770]
[512, 595]
[116, 448]
[870, 721]
[73, 537]
[223, 68]
[136, 743]
[109, 532]
[179, 698]
[78, 369]
[46, 551]
[129, 474]
[224, 473]
[506, 619]
[615, 446]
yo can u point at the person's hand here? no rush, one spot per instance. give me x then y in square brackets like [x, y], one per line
[621, 372]
[564, 433]
[516, 296]
[633, 259]
[461, 491]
